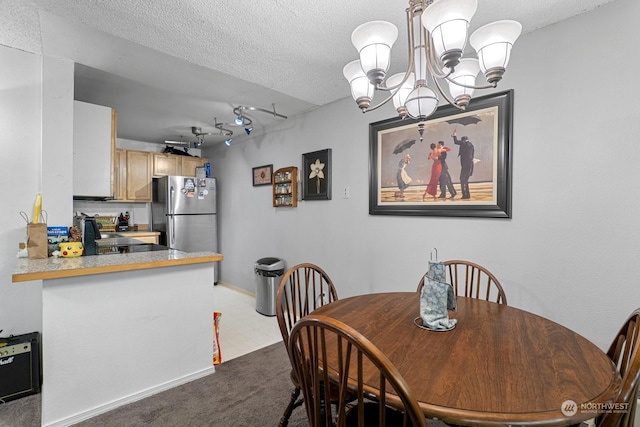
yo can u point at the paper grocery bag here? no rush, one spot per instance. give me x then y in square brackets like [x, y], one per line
[37, 244]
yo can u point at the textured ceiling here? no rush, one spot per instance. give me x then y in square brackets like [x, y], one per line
[166, 65]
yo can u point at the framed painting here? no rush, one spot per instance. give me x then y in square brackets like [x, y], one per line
[262, 175]
[455, 164]
[316, 175]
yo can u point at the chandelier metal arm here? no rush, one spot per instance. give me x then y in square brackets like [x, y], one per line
[487, 86]
[430, 67]
[447, 97]
[431, 59]
[380, 104]
[394, 89]
[410, 55]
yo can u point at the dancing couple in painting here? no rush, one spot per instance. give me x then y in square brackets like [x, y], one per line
[440, 170]
[439, 173]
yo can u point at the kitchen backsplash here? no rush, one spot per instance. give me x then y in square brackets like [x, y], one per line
[139, 212]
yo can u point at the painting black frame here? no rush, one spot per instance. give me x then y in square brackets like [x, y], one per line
[324, 192]
[498, 207]
[268, 170]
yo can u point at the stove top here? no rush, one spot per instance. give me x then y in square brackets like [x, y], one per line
[124, 249]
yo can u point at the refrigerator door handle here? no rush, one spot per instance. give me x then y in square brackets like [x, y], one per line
[172, 228]
[172, 231]
[172, 192]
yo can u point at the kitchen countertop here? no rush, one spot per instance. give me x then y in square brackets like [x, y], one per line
[56, 268]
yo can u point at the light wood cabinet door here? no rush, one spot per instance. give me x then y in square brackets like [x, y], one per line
[139, 171]
[166, 164]
[120, 174]
[189, 165]
[142, 236]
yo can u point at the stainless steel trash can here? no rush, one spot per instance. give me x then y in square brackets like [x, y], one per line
[268, 271]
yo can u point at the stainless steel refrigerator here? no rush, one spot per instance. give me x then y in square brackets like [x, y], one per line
[184, 210]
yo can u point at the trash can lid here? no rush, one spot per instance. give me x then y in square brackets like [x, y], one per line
[270, 263]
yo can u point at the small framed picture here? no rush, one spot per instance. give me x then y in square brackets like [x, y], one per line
[316, 175]
[262, 175]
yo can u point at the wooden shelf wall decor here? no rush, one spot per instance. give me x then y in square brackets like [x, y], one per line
[285, 187]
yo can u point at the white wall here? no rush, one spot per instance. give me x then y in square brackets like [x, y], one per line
[36, 107]
[84, 376]
[20, 109]
[569, 252]
[35, 102]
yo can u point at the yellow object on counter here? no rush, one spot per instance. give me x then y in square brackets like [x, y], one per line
[37, 208]
[71, 249]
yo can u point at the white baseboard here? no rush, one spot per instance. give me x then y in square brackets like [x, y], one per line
[236, 288]
[130, 399]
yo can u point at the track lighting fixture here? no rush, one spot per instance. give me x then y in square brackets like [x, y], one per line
[240, 120]
[238, 111]
[221, 127]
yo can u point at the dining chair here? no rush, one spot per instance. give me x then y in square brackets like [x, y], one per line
[472, 280]
[625, 354]
[303, 288]
[316, 339]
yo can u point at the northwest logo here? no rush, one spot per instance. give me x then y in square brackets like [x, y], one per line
[569, 408]
[6, 361]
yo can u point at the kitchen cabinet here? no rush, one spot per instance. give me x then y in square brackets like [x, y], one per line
[94, 145]
[166, 164]
[171, 164]
[139, 172]
[285, 187]
[189, 165]
[143, 236]
[133, 172]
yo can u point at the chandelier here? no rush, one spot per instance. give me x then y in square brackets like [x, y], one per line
[437, 36]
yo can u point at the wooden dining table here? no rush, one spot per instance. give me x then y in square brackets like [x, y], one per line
[498, 366]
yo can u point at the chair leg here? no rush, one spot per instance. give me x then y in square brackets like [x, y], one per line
[293, 404]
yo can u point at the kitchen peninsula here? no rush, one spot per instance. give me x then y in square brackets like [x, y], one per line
[120, 327]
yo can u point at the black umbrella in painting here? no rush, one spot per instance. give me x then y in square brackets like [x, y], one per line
[403, 145]
[466, 120]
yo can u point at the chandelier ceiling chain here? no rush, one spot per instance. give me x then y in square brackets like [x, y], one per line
[437, 37]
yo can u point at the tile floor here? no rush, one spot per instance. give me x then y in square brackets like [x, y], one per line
[241, 328]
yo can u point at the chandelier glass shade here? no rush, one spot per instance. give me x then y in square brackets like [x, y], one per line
[403, 91]
[361, 88]
[374, 40]
[437, 36]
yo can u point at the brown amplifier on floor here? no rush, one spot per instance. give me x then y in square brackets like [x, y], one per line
[20, 371]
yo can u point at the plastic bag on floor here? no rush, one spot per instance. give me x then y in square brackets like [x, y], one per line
[217, 354]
